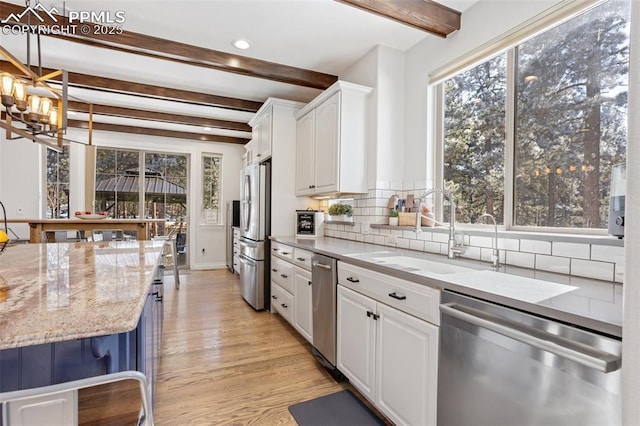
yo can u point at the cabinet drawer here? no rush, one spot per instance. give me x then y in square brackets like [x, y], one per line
[282, 301]
[282, 250]
[415, 299]
[282, 273]
[302, 258]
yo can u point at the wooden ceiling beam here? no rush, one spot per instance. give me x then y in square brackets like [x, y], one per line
[131, 42]
[146, 90]
[424, 15]
[156, 132]
[123, 112]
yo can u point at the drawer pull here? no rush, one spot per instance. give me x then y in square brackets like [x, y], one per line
[284, 305]
[274, 269]
[301, 259]
[395, 296]
[274, 297]
[353, 280]
[372, 315]
[276, 249]
[284, 275]
[285, 253]
[309, 282]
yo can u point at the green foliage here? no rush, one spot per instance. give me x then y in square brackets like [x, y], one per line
[341, 209]
[570, 124]
[394, 213]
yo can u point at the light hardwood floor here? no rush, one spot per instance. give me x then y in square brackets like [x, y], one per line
[224, 363]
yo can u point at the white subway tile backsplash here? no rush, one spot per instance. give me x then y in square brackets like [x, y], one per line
[432, 247]
[592, 269]
[379, 239]
[607, 253]
[409, 234]
[385, 231]
[425, 236]
[416, 245]
[368, 239]
[396, 232]
[512, 244]
[440, 237]
[403, 243]
[471, 253]
[574, 250]
[382, 184]
[478, 241]
[561, 265]
[360, 237]
[524, 260]
[535, 246]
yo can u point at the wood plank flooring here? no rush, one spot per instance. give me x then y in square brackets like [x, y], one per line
[224, 363]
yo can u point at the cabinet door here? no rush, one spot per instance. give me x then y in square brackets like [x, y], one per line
[262, 132]
[327, 144]
[406, 371]
[305, 128]
[303, 320]
[356, 339]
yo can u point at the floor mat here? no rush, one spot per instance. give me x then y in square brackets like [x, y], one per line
[337, 409]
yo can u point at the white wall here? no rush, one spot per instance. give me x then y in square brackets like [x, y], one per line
[382, 68]
[21, 180]
[631, 329]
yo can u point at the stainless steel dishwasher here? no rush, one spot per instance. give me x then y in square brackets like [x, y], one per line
[498, 366]
[324, 278]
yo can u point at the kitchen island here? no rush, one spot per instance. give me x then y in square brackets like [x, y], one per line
[72, 310]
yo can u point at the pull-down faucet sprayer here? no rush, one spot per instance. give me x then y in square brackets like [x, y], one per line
[454, 249]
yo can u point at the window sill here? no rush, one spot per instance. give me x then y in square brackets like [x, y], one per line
[604, 240]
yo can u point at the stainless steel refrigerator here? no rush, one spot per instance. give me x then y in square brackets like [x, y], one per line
[255, 221]
[232, 221]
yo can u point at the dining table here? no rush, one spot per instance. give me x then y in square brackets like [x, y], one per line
[39, 229]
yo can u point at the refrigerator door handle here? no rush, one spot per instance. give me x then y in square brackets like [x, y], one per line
[585, 355]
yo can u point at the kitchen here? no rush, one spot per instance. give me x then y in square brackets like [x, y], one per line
[393, 125]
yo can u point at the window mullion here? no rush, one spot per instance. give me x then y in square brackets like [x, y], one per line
[509, 143]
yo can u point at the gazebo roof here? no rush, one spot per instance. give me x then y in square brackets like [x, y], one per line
[127, 186]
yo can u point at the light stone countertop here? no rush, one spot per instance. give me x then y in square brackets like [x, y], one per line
[66, 291]
[587, 303]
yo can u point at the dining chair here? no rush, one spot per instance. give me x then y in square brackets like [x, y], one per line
[107, 235]
[57, 405]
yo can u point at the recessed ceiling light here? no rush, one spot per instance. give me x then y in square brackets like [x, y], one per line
[241, 44]
[207, 128]
[71, 112]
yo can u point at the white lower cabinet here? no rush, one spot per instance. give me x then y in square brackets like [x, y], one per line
[302, 314]
[391, 357]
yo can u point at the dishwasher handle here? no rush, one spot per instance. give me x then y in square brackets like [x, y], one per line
[585, 355]
[321, 265]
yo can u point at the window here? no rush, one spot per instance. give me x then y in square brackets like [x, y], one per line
[211, 189]
[58, 183]
[568, 115]
[117, 186]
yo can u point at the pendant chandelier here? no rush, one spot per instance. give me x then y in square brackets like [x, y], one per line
[32, 108]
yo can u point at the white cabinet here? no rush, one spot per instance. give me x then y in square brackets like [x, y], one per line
[302, 314]
[262, 125]
[291, 287]
[331, 142]
[388, 355]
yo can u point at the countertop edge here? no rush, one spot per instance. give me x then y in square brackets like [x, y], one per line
[577, 320]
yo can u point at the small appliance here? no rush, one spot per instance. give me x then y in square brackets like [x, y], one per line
[309, 223]
[617, 199]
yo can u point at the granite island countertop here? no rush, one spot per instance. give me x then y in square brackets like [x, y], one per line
[587, 303]
[65, 291]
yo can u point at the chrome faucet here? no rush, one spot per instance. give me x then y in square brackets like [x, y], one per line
[495, 256]
[454, 249]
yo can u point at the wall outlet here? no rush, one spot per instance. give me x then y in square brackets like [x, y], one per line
[392, 239]
[203, 252]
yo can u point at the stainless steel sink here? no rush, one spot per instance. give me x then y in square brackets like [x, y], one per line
[424, 265]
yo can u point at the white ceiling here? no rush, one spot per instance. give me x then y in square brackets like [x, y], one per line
[321, 35]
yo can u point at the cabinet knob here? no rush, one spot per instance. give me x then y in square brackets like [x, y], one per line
[258, 155]
[274, 297]
[353, 280]
[284, 275]
[284, 305]
[309, 282]
[301, 259]
[285, 253]
[274, 270]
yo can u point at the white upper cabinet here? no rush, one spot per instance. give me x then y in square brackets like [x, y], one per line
[331, 142]
[262, 125]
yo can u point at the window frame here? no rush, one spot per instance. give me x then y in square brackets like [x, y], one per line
[221, 211]
[506, 44]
